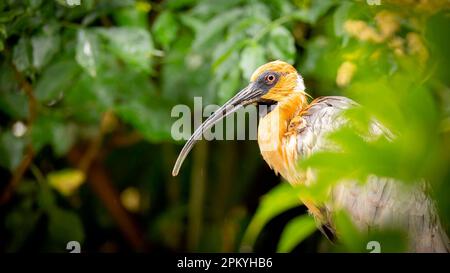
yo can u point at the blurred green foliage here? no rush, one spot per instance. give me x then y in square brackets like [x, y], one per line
[100, 79]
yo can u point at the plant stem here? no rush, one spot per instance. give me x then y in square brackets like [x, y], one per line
[197, 196]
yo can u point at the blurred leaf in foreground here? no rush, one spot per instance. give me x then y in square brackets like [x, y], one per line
[353, 240]
[295, 232]
[279, 199]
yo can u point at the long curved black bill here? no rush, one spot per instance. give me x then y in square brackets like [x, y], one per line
[246, 96]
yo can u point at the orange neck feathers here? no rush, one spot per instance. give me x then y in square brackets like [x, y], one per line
[273, 129]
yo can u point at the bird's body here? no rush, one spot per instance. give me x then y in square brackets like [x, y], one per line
[294, 130]
[380, 203]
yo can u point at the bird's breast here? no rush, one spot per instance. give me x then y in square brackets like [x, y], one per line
[278, 144]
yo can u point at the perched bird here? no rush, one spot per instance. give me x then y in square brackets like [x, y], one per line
[296, 129]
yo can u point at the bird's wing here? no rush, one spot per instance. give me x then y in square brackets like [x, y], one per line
[381, 202]
[321, 117]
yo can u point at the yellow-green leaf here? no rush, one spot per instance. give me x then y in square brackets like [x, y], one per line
[66, 181]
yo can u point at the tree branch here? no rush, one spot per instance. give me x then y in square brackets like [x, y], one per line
[17, 176]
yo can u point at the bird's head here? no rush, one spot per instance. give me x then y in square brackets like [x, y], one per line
[277, 80]
[271, 82]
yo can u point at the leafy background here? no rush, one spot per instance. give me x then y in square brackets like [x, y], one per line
[86, 96]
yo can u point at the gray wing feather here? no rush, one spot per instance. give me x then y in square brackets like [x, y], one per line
[381, 202]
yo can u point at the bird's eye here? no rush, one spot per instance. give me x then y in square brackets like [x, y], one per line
[269, 79]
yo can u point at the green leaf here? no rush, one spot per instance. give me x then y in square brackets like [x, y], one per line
[229, 86]
[314, 11]
[318, 60]
[350, 236]
[46, 198]
[7, 16]
[281, 6]
[214, 27]
[391, 241]
[22, 54]
[353, 240]
[131, 17]
[51, 130]
[63, 137]
[248, 26]
[225, 55]
[279, 199]
[21, 222]
[133, 45]
[13, 101]
[64, 226]
[152, 119]
[44, 48]
[49, 87]
[177, 4]
[252, 57]
[34, 3]
[165, 28]
[281, 45]
[15, 104]
[11, 150]
[41, 134]
[87, 51]
[89, 97]
[340, 16]
[295, 232]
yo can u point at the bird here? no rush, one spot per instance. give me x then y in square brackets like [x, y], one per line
[294, 130]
